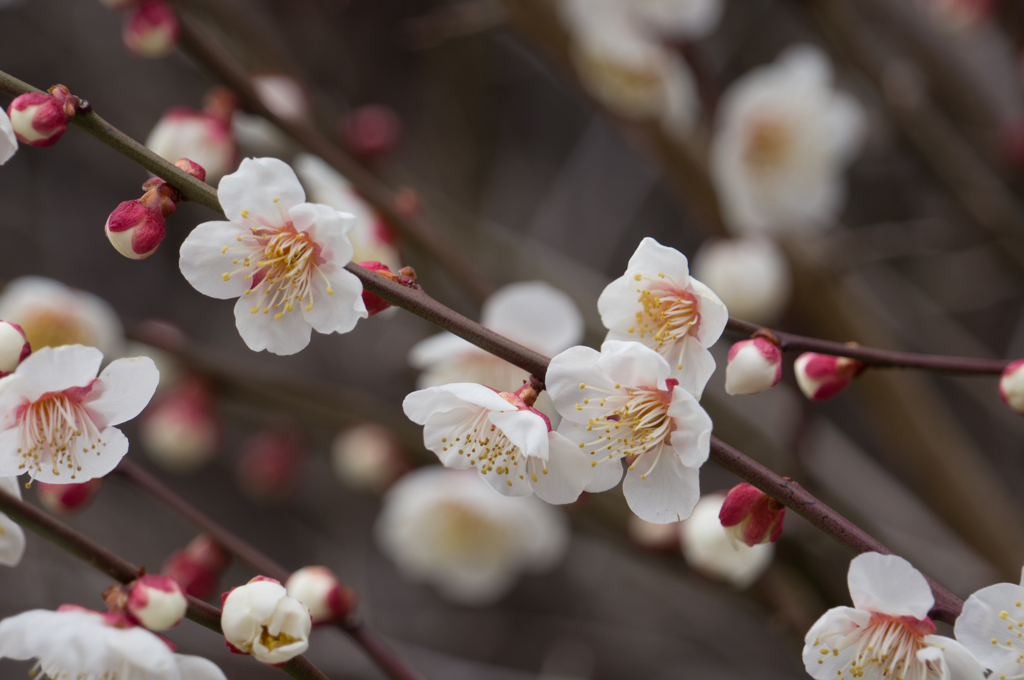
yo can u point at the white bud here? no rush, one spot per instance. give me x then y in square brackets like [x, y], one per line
[327, 598]
[754, 366]
[750, 275]
[157, 602]
[13, 347]
[1011, 386]
[710, 549]
[260, 618]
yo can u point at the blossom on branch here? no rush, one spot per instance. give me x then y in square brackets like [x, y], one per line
[712, 550]
[260, 619]
[180, 432]
[887, 632]
[368, 457]
[156, 602]
[508, 441]
[197, 566]
[657, 303]
[447, 528]
[752, 516]
[281, 257]
[621, 403]
[57, 417]
[74, 642]
[12, 536]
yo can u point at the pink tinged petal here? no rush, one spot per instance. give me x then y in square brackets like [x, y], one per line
[754, 366]
[328, 228]
[712, 313]
[575, 375]
[691, 438]
[633, 364]
[525, 429]
[888, 584]
[124, 388]
[265, 188]
[822, 659]
[1011, 385]
[567, 472]
[536, 314]
[336, 311]
[659, 488]
[287, 335]
[420, 405]
[204, 262]
[54, 369]
[957, 662]
[981, 621]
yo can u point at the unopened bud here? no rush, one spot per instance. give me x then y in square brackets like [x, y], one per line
[157, 602]
[39, 119]
[67, 499]
[13, 347]
[192, 168]
[823, 376]
[269, 466]
[368, 457]
[406, 276]
[135, 230]
[371, 131]
[1011, 385]
[151, 30]
[326, 598]
[261, 619]
[754, 366]
[180, 431]
[752, 516]
[197, 567]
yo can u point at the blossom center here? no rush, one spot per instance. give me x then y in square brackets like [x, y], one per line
[886, 648]
[768, 145]
[488, 449]
[272, 642]
[55, 430]
[666, 315]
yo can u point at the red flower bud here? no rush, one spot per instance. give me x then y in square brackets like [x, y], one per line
[751, 515]
[371, 131]
[151, 30]
[67, 499]
[38, 119]
[269, 466]
[823, 376]
[135, 230]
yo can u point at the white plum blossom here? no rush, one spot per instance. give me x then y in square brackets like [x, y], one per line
[12, 537]
[713, 551]
[991, 626]
[681, 19]
[57, 417]
[657, 303]
[887, 632]
[622, 403]
[8, 140]
[751, 276]
[783, 137]
[52, 314]
[449, 529]
[74, 642]
[509, 443]
[261, 619]
[533, 313]
[281, 257]
[371, 239]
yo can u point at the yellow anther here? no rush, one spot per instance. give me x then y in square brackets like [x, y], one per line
[226, 276]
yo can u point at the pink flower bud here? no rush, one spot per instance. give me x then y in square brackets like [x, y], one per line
[269, 466]
[192, 168]
[823, 376]
[375, 304]
[754, 366]
[157, 602]
[38, 118]
[751, 515]
[151, 30]
[135, 230]
[326, 598]
[368, 457]
[1011, 385]
[180, 431]
[197, 567]
[13, 347]
[67, 499]
[371, 131]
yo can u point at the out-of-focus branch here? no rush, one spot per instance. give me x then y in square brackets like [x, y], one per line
[123, 571]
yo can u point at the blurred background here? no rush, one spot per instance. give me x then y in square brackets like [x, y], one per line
[485, 116]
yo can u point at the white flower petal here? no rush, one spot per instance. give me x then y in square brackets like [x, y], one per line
[633, 364]
[10, 459]
[437, 435]
[525, 429]
[12, 536]
[516, 482]
[713, 314]
[981, 621]
[834, 625]
[261, 331]
[98, 463]
[340, 310]
[652, 258]
[660, 489]
[691, 438]
[198, 668]
[265, 188]
[698, 365]
[203, 261]
[958, 662]
[123, 390]
[568, 472]
[54, 369]
[567, 371]
[536, 314]
[420, 405]
[888, 584]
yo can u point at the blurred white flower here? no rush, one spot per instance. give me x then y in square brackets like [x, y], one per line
[284, 96]
[74, 642]
[783, 138]
[198, 136]
[57, 416]
[371, 239]
[680, 19]
[651, 536]
[657, 303]
[713, 551]
[260, 618]
[8, 140]
[621, 403]
[326, 598]
[532, 313]
[12, 537]
[284, 259]
[509, 443]
[367, 456]
[887, 632]
[451, 530]
[52, 314]
[751, 276]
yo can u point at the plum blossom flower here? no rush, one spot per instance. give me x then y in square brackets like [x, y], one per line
[12, 537]
[657, 303]
[991, 627]
[750, 275]
[41, 118]
[281, 257]
[887, 632]
[621, 403]
[8, 140]
[509, 443]
[532, 313]
[197, 566]
[151, 29]
[754, 366]
[783, 138]
[260, 619]
[74, 642]
[52, 314]
[283, 95]
[57, 417]
[448, 529]
[712, 550]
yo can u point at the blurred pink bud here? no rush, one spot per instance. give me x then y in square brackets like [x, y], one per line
[180, 431]
[823, 376]
[754, 366]
[13, 347]
[1011, 385]
[135, 230]
[192, 168]
[67, 499]
[38, 119]
[197, 567]
[751, 515]
[151, 30]
[326, 597]
[650, 536]
[157, 602]
[269, 466]
[368, 457]
[371, 131]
